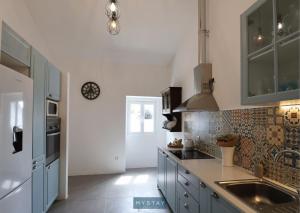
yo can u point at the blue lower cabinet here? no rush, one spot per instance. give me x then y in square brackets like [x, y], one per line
[218, 204]
[161, 172]
[211, 202]
[52, 182]
[185, 201]
[38, 187]
[204, 198]
[185, 193]
[171, 175]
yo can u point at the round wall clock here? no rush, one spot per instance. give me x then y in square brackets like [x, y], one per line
[90, 90]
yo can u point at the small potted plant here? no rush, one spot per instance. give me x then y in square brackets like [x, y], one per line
[227, 144]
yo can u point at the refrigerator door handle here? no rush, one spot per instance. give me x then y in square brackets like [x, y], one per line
[17, 139]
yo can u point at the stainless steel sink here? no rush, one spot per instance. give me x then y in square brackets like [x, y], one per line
[262, 195]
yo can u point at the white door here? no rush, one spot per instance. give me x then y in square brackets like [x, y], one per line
[143, 131]
[15, 129]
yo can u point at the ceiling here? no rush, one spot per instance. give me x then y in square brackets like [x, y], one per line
[151, 30]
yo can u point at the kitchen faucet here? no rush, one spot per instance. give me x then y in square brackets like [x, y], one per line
[279, 154]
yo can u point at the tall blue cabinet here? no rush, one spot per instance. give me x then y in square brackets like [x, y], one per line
[38, 74]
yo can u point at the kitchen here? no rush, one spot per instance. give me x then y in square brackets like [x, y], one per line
[230, 94]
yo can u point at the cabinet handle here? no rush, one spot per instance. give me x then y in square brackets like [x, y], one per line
[186, 194]
[34, 162]
[203, 185]
[187, 172]
[186, 183]
[34, 167]
[186, 205]
[215, 195]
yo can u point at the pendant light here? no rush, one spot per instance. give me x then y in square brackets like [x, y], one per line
[112, 8]
[259, 37]
[113, 13]
[113, 25]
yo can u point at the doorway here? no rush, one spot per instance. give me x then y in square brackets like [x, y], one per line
[144, 131]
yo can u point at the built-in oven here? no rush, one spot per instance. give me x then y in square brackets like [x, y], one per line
[52, 108]
[52, 139]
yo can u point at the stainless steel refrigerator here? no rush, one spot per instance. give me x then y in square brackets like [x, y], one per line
[16, 104]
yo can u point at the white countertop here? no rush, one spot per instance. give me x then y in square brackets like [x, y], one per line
[211, 170]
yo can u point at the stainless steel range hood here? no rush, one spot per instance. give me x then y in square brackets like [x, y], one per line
[203, 81]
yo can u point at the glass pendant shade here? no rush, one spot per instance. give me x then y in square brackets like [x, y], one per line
[112, 9]
[113, 27]
[259, 38]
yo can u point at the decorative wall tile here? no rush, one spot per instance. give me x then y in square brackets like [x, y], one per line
[275, 135]
[292, 137]
[263, 133]
[260, 152]
[270, 111]
[272, 151]
[260, 116]
[247, 148]
[292, 117]
[271, 120]
[259, 133]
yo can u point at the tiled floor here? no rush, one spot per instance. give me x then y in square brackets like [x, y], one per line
[109, 193]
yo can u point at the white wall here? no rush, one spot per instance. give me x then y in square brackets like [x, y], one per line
[141, 149]
[97, 128]
[223, 52]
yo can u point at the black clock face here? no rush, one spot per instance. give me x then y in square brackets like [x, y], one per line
[90, 90]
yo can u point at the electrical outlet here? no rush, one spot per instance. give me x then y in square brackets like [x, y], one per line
[116, 157]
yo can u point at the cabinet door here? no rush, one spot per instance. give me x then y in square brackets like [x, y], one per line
[260, 26]
[13, 45]
[161, 171]
[218, 204]
[288, 18]
[288, 52]
[38, 72]
[171, 182]
[38, 188]
[204, 198]
[52, 182]
[261, 76]
[185, 201]
[53, 83]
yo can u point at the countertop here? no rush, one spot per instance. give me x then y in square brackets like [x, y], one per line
[211, 170]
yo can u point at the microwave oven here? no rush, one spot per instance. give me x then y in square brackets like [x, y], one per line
[52, 108]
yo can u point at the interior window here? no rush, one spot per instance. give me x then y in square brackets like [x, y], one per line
[141, 117]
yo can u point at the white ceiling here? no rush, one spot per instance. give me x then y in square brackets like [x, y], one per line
[151, 30]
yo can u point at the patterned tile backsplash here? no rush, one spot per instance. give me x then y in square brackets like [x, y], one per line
[263, 133]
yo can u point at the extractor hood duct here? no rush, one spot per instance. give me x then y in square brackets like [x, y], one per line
[203, 81]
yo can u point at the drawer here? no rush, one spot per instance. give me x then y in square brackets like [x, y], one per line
[185, 173]
[189, 187]
[186, 203]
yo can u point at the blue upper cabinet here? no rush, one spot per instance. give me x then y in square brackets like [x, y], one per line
[270, 45]
[38, 72]
[13, 45]
[53, 83]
